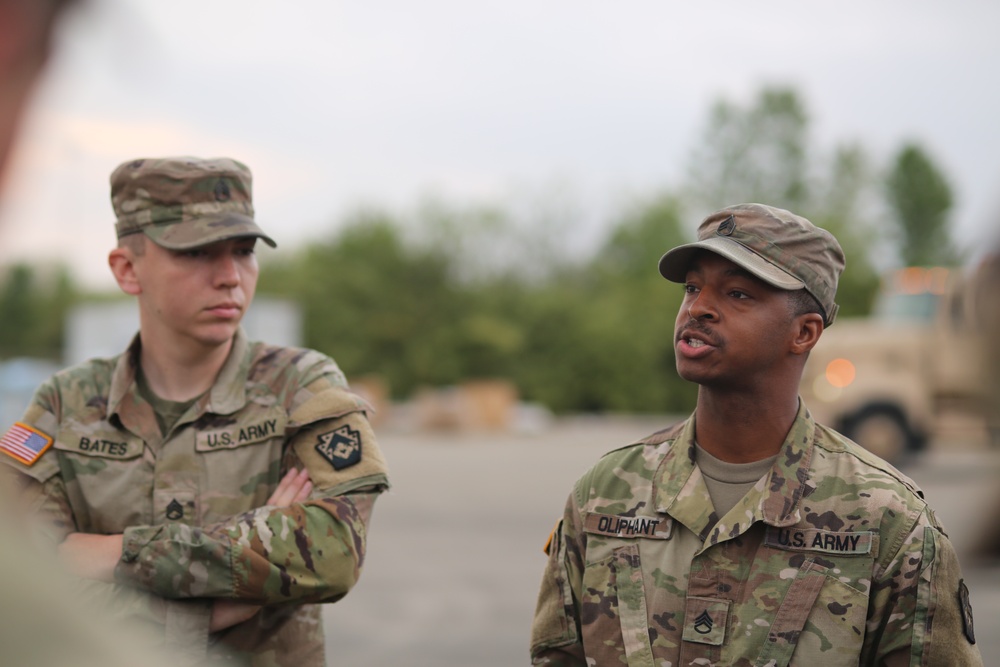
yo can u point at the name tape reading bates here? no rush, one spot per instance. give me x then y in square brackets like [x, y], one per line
[612, 525]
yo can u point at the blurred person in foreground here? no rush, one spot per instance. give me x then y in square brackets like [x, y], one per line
[39, 627]
[40, 624]
[233, 480]
[748, 534]
[26, 33]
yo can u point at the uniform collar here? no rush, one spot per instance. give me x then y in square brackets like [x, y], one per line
[229, 393]
[226, 396]
[681, 490]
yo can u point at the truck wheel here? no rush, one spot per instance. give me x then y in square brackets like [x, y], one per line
[883, 432]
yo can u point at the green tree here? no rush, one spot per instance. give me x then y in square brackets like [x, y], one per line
[517, 241]
[761, 153]
[374, 303]
[400, 299]
[754, 153]
[33, 309]
[20, 312]
[448, 293]
[640, 307]
[843, 205]
[601, 337]
[921, 199]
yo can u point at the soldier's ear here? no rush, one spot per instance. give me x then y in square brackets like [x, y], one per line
[122, 262]
[808, 329]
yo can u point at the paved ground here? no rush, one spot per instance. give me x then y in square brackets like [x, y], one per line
[455, 551]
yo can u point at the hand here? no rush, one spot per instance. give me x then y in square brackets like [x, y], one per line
[91, 556]
[227, 613]
[294, 487]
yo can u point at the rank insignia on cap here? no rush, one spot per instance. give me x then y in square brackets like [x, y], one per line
[966, 606]
[222, 192]
[24, 443]
[727, 226]
[341, 447]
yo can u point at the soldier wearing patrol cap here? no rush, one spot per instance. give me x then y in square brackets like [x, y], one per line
[748, 534]
[232, 481]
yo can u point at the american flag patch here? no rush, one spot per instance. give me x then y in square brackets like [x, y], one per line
[24, 443]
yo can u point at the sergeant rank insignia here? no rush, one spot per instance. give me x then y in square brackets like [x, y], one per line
[175, 510]
[703, 624]
[341, 447]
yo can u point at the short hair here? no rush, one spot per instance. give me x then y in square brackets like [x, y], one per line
[801, 302]
[134, 242]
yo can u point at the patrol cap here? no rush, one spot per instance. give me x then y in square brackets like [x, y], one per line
[782, 249]
[184, 202]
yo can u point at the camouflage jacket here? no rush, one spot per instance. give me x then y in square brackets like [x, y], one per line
[191, 504]
[832, 559]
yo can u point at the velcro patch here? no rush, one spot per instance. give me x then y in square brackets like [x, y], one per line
[109, 445]
[552, 536]
[963, 602]
[341, 447]
[705, 620]
[24, 443]
[613, 525]
[826, 541]
[264, 428]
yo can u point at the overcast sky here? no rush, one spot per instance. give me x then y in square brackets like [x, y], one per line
[333, 104]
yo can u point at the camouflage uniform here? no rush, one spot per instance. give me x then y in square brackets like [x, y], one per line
[191, 502]
[833, 558]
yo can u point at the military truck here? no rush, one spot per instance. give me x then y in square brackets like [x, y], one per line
[912, 372]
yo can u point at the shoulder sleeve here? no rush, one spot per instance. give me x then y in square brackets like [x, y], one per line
[920, 605]
[336, 443]
[312, 371]
[944, 610]
[555, 631]
[27, 444]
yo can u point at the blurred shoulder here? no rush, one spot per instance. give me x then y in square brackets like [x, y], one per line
[82, 381]
[629, 466]
[283, 365]
[837, 458]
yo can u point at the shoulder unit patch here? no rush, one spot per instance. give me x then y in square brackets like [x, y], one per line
[341, 447]
[966, 607]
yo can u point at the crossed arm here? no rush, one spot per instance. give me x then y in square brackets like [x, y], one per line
[96, 556]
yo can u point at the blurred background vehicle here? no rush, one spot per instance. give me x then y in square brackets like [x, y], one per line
[913, 371]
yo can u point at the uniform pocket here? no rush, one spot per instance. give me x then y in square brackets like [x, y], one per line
[603, 614]
[835, 628]
[619, 598]
[821, 616]
[821, 621]
[104, 469]
[614, 606]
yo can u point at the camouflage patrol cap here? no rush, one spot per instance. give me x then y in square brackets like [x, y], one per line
[184, 202]
[779, 247]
